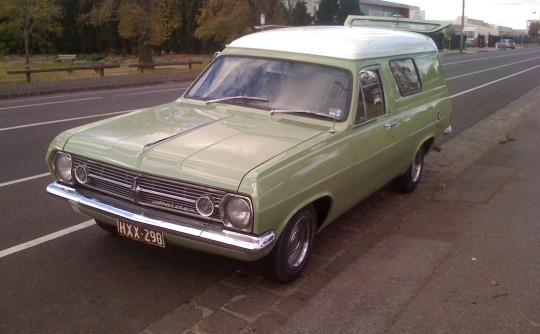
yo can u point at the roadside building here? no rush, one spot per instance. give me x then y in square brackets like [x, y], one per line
[375, 8]
[477, 32]
[386, 8]
[482, 34]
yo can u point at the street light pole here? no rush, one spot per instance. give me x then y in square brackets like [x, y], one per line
[263, 21]
[462, 23]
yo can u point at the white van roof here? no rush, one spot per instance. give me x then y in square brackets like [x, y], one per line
[338, 42]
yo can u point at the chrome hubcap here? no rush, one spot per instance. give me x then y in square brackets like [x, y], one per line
[417, 164]
[299, 241]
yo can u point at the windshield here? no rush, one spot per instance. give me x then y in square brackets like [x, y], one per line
[282, 85]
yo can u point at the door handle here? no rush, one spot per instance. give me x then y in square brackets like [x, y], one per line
[388, 126]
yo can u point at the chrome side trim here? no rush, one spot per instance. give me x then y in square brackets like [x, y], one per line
[184, 227]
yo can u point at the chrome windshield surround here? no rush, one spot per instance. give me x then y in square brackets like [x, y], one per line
[184, 227]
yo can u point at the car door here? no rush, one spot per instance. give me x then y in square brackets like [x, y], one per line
[373, 139]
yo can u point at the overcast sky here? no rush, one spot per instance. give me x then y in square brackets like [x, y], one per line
[508, 13]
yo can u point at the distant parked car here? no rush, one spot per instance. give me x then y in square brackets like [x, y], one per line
[505, 43]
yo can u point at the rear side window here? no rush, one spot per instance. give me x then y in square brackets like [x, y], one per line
[371, 99]
[406, 75]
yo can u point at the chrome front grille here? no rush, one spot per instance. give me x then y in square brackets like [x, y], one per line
[147, 190]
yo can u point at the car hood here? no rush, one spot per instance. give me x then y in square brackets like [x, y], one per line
[206, 145]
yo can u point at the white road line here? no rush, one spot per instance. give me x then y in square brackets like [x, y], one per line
[49, 237]
[46, 97]
[149, 92]
[490, 69]
[484, 58]
[494, 81]
[66, 120]
[49, 103]
[23, 179]
[96, 92]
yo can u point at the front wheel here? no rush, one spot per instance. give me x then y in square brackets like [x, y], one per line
[291, 253]
[407, 182]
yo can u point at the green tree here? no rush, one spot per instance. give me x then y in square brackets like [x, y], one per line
[223, 21]
[299, 15]
[346, 8]
[183, 39]
[31, 18]
[276, 11]
[86, 38]
[327, 13]
[534, 26]
[149, 22]
[448, 33]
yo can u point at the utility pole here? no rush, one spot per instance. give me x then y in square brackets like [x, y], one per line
[462, 24]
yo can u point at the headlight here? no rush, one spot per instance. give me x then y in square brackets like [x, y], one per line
[81, 174]
[205, 206]
[236, 212]
[62, 165]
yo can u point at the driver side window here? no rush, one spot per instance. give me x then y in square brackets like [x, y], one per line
[371, 98]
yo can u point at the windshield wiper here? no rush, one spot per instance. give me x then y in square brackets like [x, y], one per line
[242, 97]
[301, 111]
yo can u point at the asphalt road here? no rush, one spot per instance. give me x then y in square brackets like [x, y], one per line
[85, 280]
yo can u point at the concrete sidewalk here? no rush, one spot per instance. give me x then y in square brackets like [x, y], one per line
[465, 256]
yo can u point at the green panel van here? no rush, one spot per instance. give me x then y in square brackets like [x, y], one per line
[283, 132]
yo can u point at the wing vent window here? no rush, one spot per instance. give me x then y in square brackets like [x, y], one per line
[371, 99]
[406, 75]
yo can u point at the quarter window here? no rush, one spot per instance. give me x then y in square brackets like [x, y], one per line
[406, 75]
[371, 99]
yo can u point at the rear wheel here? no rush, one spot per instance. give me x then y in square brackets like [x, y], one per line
[291, 253]
[107, 227]
[407, 182]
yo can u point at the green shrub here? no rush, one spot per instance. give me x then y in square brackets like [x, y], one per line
[95, 57]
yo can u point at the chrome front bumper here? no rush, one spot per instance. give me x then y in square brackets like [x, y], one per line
[183, 227]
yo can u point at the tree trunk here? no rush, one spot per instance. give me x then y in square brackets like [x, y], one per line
[145, 53]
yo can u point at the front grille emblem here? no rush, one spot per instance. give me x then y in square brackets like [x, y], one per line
[135, 189]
